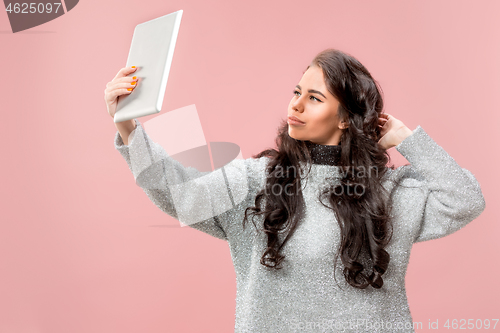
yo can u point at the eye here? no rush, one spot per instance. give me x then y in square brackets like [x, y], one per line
[295, 92]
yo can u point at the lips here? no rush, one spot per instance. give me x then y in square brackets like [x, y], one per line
[296, 119]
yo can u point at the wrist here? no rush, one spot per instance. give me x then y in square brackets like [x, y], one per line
[128, 125]
[402, 134]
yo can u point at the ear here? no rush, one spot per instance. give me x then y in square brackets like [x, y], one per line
[343, 124]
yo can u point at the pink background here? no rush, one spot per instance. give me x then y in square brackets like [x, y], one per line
[82, 249]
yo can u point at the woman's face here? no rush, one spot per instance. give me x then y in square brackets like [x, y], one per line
[316, 108]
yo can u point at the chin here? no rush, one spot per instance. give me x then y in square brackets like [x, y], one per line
[293, 134]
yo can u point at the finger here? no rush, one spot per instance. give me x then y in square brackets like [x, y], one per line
[127, 83]
[125, 80]
[125, 71]
[128, 79]
[118, 90]
[382, 121]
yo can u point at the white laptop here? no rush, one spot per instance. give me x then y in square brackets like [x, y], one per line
[152, 50]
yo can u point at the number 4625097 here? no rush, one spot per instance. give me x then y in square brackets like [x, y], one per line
[34, 8]
[463, 324]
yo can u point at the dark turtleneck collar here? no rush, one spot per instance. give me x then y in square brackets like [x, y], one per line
[324, 154]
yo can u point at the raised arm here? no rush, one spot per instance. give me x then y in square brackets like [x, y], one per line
[451, 194]
[194, 198]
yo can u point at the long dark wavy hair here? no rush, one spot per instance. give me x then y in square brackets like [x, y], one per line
[363, 216]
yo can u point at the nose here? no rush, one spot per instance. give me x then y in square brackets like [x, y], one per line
[297, 105]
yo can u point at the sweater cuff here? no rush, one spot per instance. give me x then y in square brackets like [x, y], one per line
[407, 146]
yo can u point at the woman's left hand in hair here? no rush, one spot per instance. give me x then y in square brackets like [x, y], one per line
[392, 131]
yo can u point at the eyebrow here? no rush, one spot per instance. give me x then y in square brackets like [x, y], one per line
[312, 91]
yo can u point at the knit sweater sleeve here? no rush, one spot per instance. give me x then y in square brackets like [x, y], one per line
[450, 196]
[193, 197]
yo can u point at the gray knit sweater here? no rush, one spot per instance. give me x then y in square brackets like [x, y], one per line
[435, 197]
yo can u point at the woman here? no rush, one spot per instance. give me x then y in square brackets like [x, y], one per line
[325, 193]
